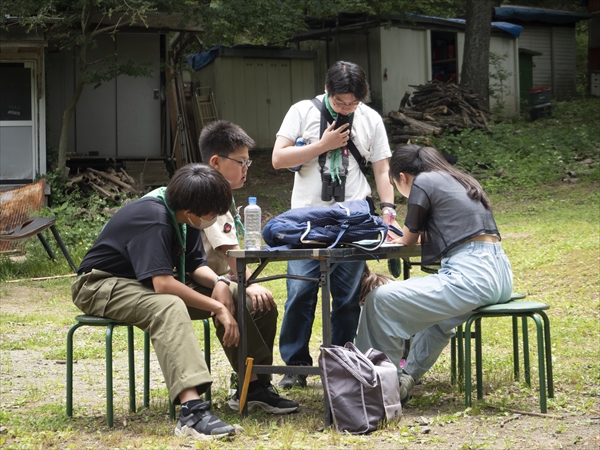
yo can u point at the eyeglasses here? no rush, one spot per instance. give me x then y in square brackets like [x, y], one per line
[339, 104]
[243, 163]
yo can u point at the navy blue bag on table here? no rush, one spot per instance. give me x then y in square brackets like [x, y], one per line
[351, 223]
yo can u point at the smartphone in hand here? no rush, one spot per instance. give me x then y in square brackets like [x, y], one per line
[341, 120]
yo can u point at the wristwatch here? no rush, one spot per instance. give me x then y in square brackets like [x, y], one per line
[223, 279]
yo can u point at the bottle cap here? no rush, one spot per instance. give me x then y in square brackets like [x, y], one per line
[252, 200]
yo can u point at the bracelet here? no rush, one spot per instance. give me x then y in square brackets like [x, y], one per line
[386, 205]
[223, 279]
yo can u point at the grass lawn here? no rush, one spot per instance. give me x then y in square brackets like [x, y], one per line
[551, 236]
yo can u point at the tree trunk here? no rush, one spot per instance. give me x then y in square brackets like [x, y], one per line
[68, 114]
[475, 73]
[81, 70]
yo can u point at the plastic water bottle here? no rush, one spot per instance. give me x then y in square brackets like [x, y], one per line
[253, 225]
[301, 141]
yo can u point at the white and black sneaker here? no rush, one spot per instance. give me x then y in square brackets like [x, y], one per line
[199, 423]
[267, 398]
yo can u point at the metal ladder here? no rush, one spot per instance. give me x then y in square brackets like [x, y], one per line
[204, 101]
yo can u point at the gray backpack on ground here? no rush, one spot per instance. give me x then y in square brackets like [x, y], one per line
[362, 389]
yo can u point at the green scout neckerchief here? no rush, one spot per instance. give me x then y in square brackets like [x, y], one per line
[335, 154]
[180, 229]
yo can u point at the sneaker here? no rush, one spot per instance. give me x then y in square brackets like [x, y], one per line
[407, 382]
[290, 380]
[200, 423]
[266, 398]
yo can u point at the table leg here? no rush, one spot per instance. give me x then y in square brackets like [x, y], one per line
[241, 318]
[326, 319]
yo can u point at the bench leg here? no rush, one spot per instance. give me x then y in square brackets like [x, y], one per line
[146, 369]
[548, 348]
[63, 248]
[478, 359]
[526, 361]
[109, 377]
[453, 361]
[515, 331]
[207, 353]
[541, 358]
[69, 384]
[467, 335]
[46, 246]
[130, 350]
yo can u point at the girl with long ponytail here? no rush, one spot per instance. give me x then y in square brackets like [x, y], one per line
[450, 215]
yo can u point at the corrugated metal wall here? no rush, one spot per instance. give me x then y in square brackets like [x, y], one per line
[556, 66]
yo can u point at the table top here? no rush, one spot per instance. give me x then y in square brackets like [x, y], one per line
[386, 251]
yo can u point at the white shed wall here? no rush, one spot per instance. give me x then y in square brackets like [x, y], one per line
[508, 47]
[406, 54]
[119, 118]
[564, 81]
[540, 40]
[256, 93]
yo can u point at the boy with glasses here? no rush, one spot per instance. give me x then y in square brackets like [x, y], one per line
[225, 146]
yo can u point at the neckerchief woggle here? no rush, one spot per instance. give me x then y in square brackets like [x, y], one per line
[180, 229]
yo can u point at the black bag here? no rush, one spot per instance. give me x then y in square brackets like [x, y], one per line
[362, 389]
[351, 223]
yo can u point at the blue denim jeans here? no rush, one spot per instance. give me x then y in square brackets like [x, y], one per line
[301, 303]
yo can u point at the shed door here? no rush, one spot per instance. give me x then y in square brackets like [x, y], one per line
[268, 96]
[17, 122]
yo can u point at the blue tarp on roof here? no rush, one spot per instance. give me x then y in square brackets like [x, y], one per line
[526, 14]
[198, 60]
[510, 28]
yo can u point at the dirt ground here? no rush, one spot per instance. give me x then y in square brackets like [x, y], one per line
[28, 374]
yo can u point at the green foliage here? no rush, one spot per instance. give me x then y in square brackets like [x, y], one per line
[524, 154]
[498, 88]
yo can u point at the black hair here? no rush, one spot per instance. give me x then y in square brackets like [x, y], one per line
[347, 78]
[222, 138]
[413, 160]
[199, 188]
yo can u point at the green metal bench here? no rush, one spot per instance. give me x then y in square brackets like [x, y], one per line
[514, 309]
[110, 324]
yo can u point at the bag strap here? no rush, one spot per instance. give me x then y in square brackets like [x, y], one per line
[325, 119]
[343, 360]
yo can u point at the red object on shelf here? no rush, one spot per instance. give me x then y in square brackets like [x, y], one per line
[450, 53]
[536, 89]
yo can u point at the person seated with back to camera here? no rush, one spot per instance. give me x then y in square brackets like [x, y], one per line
[452, 215]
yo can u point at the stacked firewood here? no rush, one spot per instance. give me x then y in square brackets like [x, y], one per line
[110, 184]
[436, 107]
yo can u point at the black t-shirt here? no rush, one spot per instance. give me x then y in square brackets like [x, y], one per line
[440, 209]
[140, 241]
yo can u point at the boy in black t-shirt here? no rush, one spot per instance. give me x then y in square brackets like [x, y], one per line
[128, 275]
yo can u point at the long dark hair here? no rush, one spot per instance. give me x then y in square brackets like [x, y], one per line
[413, 160]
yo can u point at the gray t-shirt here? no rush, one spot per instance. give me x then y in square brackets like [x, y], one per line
[439, 209]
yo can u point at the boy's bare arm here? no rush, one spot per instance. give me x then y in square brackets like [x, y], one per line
[262, 298]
